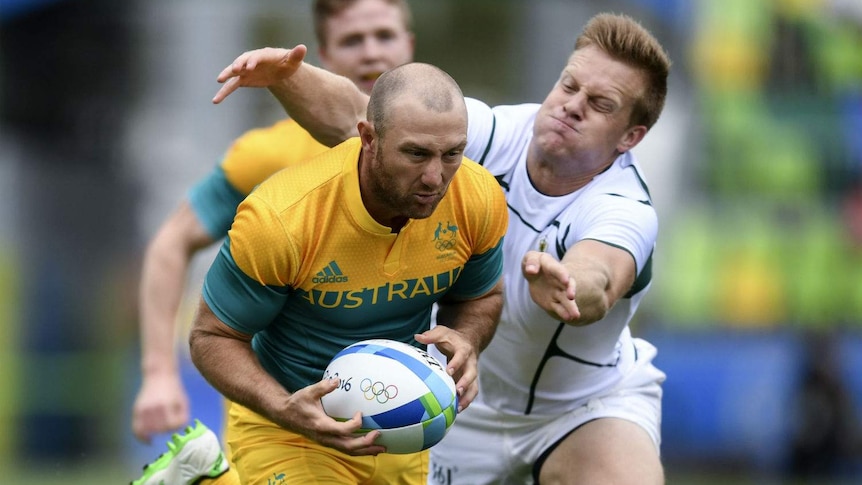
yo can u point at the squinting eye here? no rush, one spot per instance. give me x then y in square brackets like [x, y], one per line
[603, 107]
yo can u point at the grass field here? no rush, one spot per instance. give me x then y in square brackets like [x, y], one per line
[114, 474]
[91, 474]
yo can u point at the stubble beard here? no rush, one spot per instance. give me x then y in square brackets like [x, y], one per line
[386, 190]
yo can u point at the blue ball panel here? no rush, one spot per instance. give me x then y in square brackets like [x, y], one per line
[435, 429]
[410, 413]
[434, 382]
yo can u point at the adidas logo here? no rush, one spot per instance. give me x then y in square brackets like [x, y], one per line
[330, 274]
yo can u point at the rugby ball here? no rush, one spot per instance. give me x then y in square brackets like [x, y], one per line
[401, 390]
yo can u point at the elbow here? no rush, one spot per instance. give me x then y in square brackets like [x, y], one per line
[334, 136]
[194, 344]
[199, 345]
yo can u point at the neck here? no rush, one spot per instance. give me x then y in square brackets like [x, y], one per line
[375, 208]
[555, 179]
[396, 224]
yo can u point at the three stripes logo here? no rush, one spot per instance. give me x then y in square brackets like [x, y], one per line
[330, 274]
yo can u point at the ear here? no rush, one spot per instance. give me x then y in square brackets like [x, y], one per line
[412, 43]
[366, 134]
[631, 138]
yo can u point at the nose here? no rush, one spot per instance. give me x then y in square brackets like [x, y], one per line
[574, 105]
[371, 48]
[432, 175]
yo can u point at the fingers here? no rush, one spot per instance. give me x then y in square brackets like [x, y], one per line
[226, 74]
[571, 290]
[442, 337]
[535, 263]
[235, 68]
[467, 387]
[530, 265]
[467, 396]
[297, 54]
[364, 445]
[161, 418]
[461, 361]
[566, 310]
[425, 337]
[345, 437]
[259, 68]
[569, 306]
[140, 431]
[323, 387]
[230, 86]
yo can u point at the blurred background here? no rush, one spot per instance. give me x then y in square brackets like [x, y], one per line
[755, 168]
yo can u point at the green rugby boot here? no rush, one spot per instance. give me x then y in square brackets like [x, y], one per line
[195, 455]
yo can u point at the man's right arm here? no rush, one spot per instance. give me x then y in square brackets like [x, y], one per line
[226, 359]
[161, 404]
[327, 105]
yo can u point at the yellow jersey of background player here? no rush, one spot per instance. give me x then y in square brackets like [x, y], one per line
[252, 158]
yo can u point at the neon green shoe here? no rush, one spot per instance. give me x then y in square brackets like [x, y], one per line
[195, 455]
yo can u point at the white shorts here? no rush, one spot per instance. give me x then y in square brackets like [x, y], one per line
[485, 446]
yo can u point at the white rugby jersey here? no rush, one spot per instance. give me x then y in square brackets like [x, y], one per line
[535, 364]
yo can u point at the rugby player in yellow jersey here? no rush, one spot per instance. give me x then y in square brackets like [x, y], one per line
[358, 39]
[371, 211]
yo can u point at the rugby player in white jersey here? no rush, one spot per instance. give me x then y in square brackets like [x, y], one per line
[567, 395]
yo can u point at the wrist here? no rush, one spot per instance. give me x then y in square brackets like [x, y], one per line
[163, 367]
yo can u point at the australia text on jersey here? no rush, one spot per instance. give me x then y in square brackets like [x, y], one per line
[391, 291]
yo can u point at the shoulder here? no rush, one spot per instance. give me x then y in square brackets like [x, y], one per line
[473, 176]
[496, 136]
[478, 194]
[296, 182]
[260, 152]
[624, 178]
[263, 136]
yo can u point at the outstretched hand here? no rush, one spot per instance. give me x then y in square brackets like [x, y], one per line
[259, 68]
[551, 285]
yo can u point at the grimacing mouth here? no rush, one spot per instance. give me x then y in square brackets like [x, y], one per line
[371, 76]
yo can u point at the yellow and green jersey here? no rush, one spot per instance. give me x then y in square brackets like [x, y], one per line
[252, 158]
[308, 271]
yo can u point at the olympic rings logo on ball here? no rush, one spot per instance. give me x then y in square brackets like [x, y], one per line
[377, 390]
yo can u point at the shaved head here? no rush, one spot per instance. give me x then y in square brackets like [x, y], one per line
[433, 88]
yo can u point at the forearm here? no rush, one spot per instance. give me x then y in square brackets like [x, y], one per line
[327, 105]
[475, 319]
[162, 284]
[225, 358]
[163, 280]
[603, 274]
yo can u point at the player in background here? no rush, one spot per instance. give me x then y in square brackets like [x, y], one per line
[567, 395]
[369, 210]
[358, 39]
